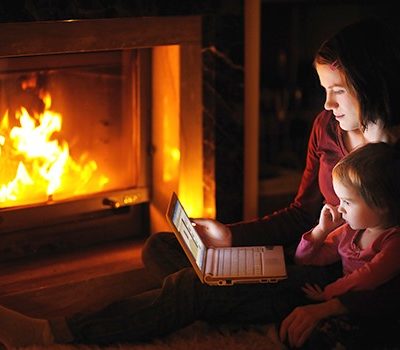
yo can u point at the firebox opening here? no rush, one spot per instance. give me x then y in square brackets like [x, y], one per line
[67, 126]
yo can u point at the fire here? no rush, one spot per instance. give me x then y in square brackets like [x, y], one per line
[35, 166]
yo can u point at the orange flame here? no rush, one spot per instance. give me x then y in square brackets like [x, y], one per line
[35, 166]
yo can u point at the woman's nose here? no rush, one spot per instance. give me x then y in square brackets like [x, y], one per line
[330, 103]
[340, 209]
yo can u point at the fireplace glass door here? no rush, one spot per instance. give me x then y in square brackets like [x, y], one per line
[68, 126]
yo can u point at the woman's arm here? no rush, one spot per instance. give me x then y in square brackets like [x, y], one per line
[288, 224]
[383, 301]
[371, 306]
[299, 324]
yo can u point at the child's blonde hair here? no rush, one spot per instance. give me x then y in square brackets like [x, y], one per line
[374, 171]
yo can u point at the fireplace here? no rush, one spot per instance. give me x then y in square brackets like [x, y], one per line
[100, 120]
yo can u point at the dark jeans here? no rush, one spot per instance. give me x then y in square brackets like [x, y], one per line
[183, 299]
[343, 332]
[162, 256]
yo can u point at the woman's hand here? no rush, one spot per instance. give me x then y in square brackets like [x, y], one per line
[299, 324]
[213, 233]
[297, 327]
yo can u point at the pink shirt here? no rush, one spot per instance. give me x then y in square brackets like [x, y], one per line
[363, 269]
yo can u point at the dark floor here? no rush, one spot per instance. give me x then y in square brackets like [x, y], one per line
[65, 284]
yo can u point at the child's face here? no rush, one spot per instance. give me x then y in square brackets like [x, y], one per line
[339, 98]
[355, 211]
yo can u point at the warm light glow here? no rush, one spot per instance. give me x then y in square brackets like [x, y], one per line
[36, 164]
[177, 160]
[171, 163]
[193, 209]
[165, 131]
[172, 155]
[209, 212]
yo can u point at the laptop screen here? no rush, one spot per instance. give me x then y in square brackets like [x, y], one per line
[188, 233]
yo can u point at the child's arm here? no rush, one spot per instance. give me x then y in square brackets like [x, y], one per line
[314, 247]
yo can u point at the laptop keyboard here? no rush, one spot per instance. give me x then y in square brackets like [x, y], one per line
[240, 261]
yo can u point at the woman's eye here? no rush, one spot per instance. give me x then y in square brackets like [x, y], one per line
[339, 92]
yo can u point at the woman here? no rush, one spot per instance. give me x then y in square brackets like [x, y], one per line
[359, 69]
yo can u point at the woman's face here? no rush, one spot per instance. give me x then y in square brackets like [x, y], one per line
[339, 97]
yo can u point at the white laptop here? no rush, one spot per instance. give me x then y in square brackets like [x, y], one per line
[225, 266]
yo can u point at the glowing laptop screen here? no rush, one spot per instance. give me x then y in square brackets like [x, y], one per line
[189, 234]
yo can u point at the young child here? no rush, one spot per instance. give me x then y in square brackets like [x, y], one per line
[368, 243]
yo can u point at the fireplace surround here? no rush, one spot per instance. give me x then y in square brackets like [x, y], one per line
[147, 125]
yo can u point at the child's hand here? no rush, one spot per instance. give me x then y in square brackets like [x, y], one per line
[329, 219]
[314, 292]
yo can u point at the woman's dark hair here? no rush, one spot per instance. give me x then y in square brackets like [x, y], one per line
[368, 54]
